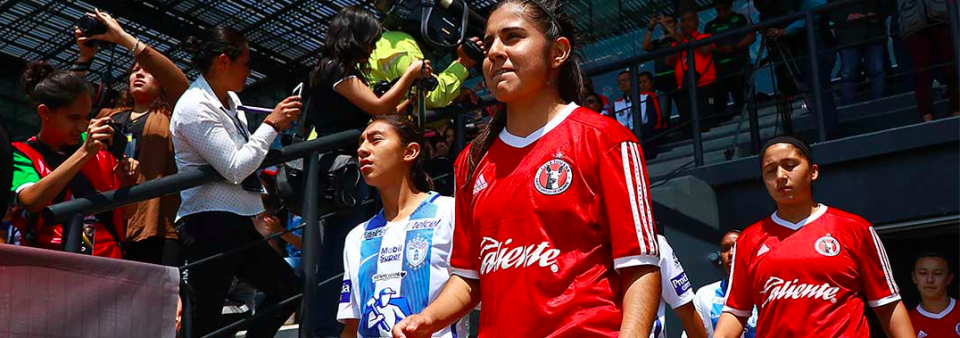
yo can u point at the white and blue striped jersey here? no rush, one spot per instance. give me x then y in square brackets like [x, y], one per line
[675, 289]
[395, 269]
[709, 302]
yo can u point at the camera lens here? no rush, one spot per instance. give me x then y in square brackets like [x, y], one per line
[89, 25]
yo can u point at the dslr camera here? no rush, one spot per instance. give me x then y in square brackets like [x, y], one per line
[90, 26]
[119, 143]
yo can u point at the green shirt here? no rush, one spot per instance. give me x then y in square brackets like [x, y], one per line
[394, 53]
[24, 172]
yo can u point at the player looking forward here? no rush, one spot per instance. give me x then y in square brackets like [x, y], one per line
[554, 231]
[396, 263]
[808, 267]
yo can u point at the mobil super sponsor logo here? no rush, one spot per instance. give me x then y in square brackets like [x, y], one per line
[680, 283]
[391, 253]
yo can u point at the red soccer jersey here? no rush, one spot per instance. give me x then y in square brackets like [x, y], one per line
[809, 279]
[945, 324]
[706, 70]
[546, 221]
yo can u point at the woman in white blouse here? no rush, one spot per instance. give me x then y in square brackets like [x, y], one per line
[216, 217]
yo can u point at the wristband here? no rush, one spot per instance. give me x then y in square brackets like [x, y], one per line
[133, 51]
[81, 66]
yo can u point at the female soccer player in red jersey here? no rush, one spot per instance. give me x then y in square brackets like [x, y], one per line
[554, 232]
[938, 314]
[808, 267]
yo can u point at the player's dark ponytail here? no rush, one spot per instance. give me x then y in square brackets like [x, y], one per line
[553, 19]
[410, 133]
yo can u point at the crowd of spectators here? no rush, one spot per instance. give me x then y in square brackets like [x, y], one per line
[853, 39]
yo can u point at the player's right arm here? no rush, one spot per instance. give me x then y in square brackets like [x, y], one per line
[729, 326]
[350, 327]
[459, 296]
[348, 312]
[734, 318]
[461, 293]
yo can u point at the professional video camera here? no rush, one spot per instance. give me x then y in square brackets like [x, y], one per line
[436, 23]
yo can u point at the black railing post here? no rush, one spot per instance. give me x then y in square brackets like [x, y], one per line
[815, 78]
[953, 7]
[73, 233]
[693, 104]
[186, 318]
[754, 122]
[460, 137]
[311, 246]
[635, 102]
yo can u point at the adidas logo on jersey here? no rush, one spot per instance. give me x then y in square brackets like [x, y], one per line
[921, 334]
[763, 250]
[496, 255]
[481, 184]
[777, 289]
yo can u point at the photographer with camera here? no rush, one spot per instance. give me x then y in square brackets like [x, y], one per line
[208, 130]
[67, 159]
[341, 100]
[397, 49]
[342, 97]
[153, 87]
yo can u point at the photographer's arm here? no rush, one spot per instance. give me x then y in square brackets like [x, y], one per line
[171, 78]
[448, 89]
[87, 53]
[39, 195]
[363, 97]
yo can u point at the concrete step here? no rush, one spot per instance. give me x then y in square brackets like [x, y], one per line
[852, 122]
[767, 116]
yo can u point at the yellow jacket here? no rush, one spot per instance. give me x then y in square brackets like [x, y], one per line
[392, 56]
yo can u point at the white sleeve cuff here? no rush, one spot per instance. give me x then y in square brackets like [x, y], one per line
[884, 301]
[23, 186]
[738, 313]
[266, 133]
[16, 193]
[335, 84]
[471, 274]
[344, 318]
[687, 297]
[626, 262]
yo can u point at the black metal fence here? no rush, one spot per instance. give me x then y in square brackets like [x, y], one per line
[814, 95]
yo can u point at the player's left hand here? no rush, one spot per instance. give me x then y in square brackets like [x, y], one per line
[127, 171]
[414, 326]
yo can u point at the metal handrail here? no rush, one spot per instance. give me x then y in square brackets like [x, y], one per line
[691, 79]
[185, 179]
[650, 56]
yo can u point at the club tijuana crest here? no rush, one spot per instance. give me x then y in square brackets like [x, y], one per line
[827, 246]
[553, 177]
